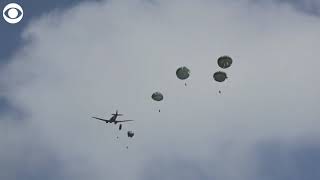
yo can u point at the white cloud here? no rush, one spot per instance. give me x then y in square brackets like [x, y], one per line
[98, 57]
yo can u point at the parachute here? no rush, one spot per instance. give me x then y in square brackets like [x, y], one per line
[224, 61]
[157, 96]
[130, 134]
[220, 76]
[183, 73]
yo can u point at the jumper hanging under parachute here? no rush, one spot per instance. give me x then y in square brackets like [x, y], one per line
[157, 96]
[224, 61]
[183, 73]
[220, 77]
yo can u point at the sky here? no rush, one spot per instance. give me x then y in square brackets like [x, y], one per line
[69, 60]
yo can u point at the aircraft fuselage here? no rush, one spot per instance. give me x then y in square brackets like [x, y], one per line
[113, 119]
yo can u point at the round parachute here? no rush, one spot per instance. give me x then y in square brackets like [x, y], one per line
[224, 61]
[220, 76]
[157, 96]
[183, 73]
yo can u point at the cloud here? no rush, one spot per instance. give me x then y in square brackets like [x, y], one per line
[25, 155]
[95, 58]
[272, 160]
[279, 160]
[311, 7]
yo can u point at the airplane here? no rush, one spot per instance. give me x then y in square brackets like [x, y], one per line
[113, 118]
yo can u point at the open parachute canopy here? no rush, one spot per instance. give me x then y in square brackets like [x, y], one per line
[224, 61]
[220, 76]
[157, 96]
[183, 73]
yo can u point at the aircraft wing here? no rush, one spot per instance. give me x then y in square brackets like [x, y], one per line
[124, 121]
[105, 120]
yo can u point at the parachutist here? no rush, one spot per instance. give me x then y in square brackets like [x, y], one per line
[157, 96]
[219, 92]
[183, 73]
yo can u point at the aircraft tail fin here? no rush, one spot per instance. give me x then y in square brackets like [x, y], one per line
[116, 114]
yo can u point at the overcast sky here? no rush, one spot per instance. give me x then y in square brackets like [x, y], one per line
[69, 60]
